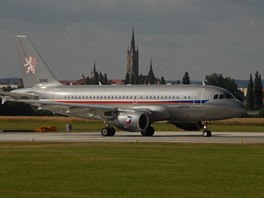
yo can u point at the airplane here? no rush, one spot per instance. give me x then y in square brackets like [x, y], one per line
[132, 108]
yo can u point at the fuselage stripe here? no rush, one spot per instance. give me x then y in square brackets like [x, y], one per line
[131, 101]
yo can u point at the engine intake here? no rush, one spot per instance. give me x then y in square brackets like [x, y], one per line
[130, 121]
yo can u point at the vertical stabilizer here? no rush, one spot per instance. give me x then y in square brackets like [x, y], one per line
[35, 71]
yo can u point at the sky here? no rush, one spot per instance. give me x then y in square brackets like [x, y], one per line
[200, 37]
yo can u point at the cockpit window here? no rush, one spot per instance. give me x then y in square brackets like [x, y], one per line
[229, 96]
[216, 96]
[223, 96]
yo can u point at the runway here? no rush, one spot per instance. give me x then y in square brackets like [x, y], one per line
[161, 137]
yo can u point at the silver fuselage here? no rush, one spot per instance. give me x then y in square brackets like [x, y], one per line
[165, 102]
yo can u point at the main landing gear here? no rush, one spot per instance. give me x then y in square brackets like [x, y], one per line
[108, 131]
[148, 132]
[206, 130]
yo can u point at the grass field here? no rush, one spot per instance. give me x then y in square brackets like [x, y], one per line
[29, 123]
[130, 170]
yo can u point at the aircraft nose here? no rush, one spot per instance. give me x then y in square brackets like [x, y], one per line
[238, 108]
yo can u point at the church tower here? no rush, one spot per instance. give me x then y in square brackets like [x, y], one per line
[132, 61]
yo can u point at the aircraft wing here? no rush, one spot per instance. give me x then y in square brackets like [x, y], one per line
[69, 109]
[5, 96]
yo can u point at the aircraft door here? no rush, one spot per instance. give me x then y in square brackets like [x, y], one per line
[198, 96]
[135, 100]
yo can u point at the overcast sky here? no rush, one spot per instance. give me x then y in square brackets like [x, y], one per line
[197, 36]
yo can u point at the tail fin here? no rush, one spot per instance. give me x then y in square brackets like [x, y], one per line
[35, 71]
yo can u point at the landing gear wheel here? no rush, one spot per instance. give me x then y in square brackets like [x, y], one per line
[108, 131]
[148, 132]
[207, 133]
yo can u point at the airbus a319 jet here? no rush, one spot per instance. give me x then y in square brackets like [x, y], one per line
[132, 108]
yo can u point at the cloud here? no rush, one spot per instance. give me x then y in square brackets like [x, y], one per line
[199, 36]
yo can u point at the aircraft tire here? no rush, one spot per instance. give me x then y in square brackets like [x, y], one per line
[112, 131]
[148, 132]
[108, 131]
[207, 133]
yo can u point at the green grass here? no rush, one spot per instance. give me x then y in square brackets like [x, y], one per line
[88, 126]
[130, 170]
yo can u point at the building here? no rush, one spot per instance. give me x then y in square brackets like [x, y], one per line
[132, 76]
[132, 61]
[10, 83]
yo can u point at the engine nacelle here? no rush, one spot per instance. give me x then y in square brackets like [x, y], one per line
[133, 121]
[189, 126]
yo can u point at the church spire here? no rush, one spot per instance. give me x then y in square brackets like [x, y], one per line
[133, 46]
[94, 67]
[151, 79]
[151, 73]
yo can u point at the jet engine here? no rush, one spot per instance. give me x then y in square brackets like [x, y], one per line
[134, 121]
[189, 126]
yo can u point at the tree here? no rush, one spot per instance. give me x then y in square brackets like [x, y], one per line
[215, 79]
[250, 94]
[87, 80]
[162, 81]
[186, 79]
[127, 79]
[226, 83]
[105, 79]
[258, 91]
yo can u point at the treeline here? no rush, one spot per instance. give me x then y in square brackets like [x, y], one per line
[21, 109]
[254, 93]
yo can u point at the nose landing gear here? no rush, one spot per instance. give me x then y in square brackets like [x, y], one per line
[206, 131]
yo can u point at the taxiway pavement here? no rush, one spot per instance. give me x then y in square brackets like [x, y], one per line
[163, 137]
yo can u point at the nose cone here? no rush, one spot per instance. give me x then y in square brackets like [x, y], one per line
[224, 109]
[237, 108]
